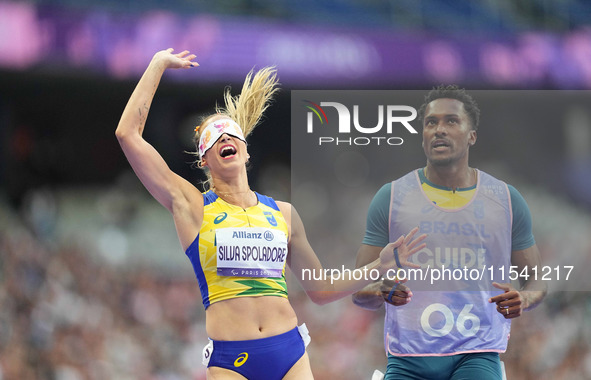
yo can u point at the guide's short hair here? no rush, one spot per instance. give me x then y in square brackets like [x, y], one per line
[453, 92]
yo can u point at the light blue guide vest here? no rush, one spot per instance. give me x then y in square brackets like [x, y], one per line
[467, 249]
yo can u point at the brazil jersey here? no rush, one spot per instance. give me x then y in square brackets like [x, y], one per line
[240, 252]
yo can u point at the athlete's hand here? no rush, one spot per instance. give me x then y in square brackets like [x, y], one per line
[510, 303]
[405, 246]
[395, 292]
[168, 60]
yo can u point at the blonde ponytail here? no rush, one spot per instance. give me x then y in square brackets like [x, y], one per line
[257, 92]
[247, 108]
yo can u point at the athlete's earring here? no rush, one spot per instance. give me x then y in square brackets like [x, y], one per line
[200, 164]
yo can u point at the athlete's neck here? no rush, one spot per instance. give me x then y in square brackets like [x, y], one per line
[450, 176]
[237, 194]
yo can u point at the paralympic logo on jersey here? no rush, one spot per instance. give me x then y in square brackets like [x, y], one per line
[389, 118]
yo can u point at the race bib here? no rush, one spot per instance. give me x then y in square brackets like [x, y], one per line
[250, 252]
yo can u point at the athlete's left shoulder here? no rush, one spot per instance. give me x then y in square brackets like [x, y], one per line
[482, 174]
[518, 203]
[517, 200]
[491, 185]
[268, 201]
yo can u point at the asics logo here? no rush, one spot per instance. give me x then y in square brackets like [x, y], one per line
[220, 218]
[242, 358]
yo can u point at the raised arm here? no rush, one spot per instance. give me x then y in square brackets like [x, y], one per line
[171, 190]
[323, 288]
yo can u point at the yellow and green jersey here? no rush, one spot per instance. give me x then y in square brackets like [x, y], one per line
[240, 252]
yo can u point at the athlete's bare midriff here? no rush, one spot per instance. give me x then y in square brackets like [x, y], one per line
[249, 318]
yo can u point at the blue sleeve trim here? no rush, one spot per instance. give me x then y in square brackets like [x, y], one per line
[209, 197]
[268, 201]
[522, 236]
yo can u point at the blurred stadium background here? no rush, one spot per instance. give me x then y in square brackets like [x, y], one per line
[93, 283]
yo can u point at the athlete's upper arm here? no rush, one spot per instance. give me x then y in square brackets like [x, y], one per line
[521, 231]
[377, 227]
[524, 251]
[377, 223]
[301, 254]
[164, 185]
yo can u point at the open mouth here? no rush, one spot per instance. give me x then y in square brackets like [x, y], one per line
[227, 151]
[439, 144]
